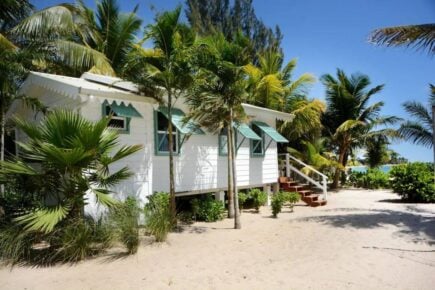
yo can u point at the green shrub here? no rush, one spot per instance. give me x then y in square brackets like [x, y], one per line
[69, 242]
[258, 197]
[158, 216]
[125, 217]
[207, 209]
[291, 198]
[277, 203]
[80, 239]
[414, 182]
[243, 197]
[16, 243]
[372, 179]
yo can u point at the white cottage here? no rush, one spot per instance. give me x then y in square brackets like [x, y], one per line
[200, 162]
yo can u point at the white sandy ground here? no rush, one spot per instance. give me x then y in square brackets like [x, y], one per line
[360, 240]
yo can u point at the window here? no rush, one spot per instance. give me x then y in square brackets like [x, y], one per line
[223, 142]
[257, 146]
[162, 136]
[116, 122]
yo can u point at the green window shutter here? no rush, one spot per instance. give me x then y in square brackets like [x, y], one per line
[223, 142]
[245, 131]
[271, 132]
[257, 146]
[160, 138]
[190, 128]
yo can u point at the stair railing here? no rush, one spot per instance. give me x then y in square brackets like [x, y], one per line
[322, 179]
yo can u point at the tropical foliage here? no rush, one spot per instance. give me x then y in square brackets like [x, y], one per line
[207, 209]
[349, 120]
[418, 36]
[372, 179]
[419, 130]
[217, 94]
[165, 69]
[68, 157]
[414, 182]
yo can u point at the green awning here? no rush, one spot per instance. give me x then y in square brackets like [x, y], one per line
[246, 131]
[178, 121]
[122, 110]
[271, 132]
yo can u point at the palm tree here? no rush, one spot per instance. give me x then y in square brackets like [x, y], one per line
[73, 157]
[419, 36]
[376, 151]
[419, 131]
[349, 119]
[57, 34]
[165, 69]
[270, 83]
[216, 97]
[111, 32]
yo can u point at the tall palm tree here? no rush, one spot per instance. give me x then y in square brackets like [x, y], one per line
[349, 119]
[419, 131]
[165, 69]
[73, 156]
[216, 97]
[419, 36]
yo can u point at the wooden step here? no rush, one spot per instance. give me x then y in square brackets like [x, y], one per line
[304, 193]
[310, 198]
[318, 203]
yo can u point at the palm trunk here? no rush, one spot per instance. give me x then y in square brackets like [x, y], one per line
[172, 204]
[337, 174]
[230, 173]
[2, 146]
[237, 223]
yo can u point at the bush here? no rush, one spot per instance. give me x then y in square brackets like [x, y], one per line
[125, 217]
[414, 182]
[69, 242]
[207, 209]
[79, 239]
[282, 197]
[277, 203]
[258, 197]
[372, 179]
[243, 197]
[291, 198]
[158, 220]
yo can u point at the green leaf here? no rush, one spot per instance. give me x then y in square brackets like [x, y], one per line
[44, 219]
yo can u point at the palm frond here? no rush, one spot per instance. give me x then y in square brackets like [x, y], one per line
[418, 111]
[44, 219]
[418, 36]
[416, 133]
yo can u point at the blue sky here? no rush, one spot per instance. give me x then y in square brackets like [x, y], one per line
[326, 35]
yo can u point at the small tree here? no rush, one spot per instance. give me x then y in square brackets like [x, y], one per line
[165, 69]
[217, 95]
[68, 157]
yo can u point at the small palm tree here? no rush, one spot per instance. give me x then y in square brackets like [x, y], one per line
[165, 69]
[349, 119]
[216, 97]
[419, 36]
[419, 131]
[66, 158]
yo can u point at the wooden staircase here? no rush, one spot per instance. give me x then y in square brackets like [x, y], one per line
[308, 195]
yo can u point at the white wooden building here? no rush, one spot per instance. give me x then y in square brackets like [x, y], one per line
[200, 161]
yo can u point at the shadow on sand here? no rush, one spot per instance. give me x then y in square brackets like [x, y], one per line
[411, 225]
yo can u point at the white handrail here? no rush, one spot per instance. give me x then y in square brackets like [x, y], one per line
[323, 185]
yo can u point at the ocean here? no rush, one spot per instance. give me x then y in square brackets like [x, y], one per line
[384, 168]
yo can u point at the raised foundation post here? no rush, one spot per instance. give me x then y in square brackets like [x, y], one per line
[266, 189]
[220, 196]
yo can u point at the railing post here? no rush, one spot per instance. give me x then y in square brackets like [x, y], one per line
[287, 165]
[324, 187]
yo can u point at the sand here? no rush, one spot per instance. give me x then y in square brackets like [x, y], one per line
[360, 240]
